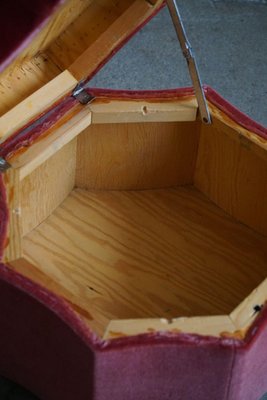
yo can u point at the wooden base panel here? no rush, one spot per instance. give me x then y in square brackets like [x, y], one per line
[144, 254]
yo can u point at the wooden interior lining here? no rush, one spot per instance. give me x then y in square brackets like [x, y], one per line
[85, 30]
[160, 253]
[33, 68]
[136, 156]
[57, 23]
[34, 105]
[47, 186]
[212, 326]
[88, 28]
[14, 228]
[24, 80]
[233, 175]
[108, 111]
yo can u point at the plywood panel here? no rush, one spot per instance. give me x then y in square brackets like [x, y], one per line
[32, 69]
[36, 104]
[106, 111]
[57, 23]
[14, 228]
[85, 30]
[25, 79]
[136, 156]
[213, 325]
[233, 175]
[160, 254]
[56, 137]
[47, 186]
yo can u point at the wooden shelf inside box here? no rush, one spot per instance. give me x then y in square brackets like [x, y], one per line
[140, 254]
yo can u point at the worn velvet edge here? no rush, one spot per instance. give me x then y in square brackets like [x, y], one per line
[17, 47]
[54, 303]
[214, 97]
[36, 128]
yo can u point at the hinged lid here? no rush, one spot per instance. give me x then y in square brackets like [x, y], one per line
[59, 35]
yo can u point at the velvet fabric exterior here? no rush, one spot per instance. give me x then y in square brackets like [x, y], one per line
[249, 381]
[46, 348]
[171, 370]
[20, 21]
[38, 348]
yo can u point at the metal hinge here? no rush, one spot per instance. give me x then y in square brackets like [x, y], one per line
[81, 94]
[191, 61]
[4, 165]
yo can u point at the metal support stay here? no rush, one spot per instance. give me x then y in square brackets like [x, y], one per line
[191, 61]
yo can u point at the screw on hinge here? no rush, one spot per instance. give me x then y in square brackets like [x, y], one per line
[81, 95]
[257, 308]
[4, 165]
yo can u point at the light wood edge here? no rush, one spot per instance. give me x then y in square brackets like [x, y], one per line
[119, 31]
[213, 325]
[235, 325]
[43, 149]
[114, 111]
[244, 314]
[119, 111]
[57, 22]
[13, 249]
[35, 104]
[247, 138]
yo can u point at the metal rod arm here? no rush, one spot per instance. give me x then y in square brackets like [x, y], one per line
[191, 61]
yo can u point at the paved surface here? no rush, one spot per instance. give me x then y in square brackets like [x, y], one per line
[229, 39]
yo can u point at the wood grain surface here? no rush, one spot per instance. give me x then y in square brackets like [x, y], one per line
[42, 191]
[160, 253]
[136, 156]
[85, 30]
[233, 175]
[14, 227]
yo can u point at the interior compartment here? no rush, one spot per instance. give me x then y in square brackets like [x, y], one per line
[147, 220]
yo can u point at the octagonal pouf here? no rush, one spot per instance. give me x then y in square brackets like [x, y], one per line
[133, 235]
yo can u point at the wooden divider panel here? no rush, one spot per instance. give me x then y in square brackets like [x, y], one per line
[136, 156]
[233, 175]
[14, 228]
[47, 186]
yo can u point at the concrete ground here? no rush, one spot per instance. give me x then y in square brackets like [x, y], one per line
[229, 38]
